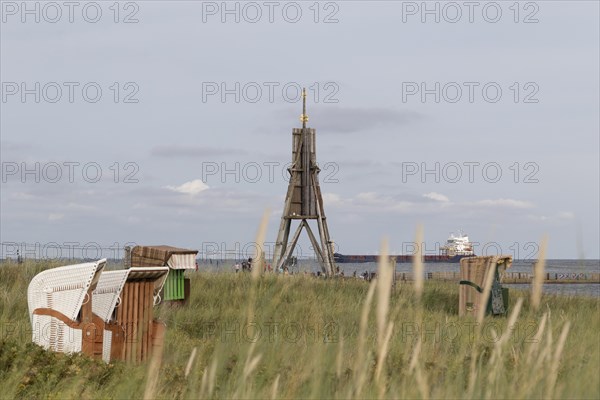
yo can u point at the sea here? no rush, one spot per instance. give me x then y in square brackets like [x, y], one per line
[523, 266]
[552, 266]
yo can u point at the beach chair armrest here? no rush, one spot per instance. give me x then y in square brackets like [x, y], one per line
[58, 315]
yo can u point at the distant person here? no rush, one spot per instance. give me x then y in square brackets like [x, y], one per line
[236, 267]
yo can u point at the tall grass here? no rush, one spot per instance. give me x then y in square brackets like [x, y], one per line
[538, 276]
[317, 338]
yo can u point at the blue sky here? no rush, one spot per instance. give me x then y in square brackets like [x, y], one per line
[185, 115]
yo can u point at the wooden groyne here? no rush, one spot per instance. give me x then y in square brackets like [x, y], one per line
[511, 277]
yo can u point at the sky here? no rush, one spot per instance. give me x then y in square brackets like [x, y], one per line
[154, 122]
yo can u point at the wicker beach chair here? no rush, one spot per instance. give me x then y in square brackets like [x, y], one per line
[177, 259]
[473, 275]
[60, 308]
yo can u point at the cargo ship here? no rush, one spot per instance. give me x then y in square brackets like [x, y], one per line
[455, 248]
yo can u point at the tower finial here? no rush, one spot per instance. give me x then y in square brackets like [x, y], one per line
[304, 116]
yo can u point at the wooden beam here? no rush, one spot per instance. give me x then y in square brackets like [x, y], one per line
[315, 244]
[291, 247]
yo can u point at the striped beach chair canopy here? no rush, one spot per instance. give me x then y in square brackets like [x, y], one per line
[173, 257]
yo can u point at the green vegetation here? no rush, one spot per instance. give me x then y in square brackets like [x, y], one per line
[311, 343]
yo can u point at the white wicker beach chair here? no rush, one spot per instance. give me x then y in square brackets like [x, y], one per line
[106, 299]
[60, 307]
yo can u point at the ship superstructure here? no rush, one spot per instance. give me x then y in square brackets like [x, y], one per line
[457, 245]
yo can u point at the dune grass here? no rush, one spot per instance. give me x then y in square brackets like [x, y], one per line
[301, 337]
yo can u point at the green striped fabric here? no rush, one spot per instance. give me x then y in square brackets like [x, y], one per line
[173, 288]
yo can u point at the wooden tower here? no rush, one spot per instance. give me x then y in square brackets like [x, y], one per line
[304, 201]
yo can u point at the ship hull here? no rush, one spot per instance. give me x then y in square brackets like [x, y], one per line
[355, 259]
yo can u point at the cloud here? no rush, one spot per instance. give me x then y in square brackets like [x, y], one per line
[353, 119]
[82, 207]
[55, 217]
[560, 217]
[426, 204]
[508, 203]
[437, 197]
[7, 145]
[361, 164]
[192, 187]
[173, 151]
[21, 196]
[332, 199]
[566, 215]
[370, 198]
[168, 198]
[377, 202]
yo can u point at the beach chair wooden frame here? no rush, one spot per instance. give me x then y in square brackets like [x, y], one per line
[135, 314]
